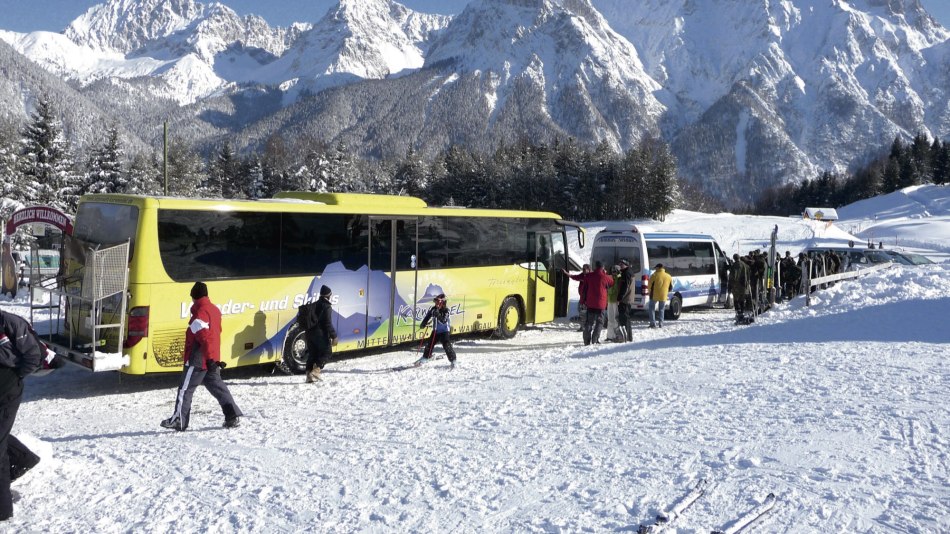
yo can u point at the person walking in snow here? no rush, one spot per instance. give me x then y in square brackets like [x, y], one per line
[658, 290]
[203, 365]
[21, 353]
[626, 293]
[319, 333]
[613, 333]
[738, 284]
[596, 284]
[441, 316]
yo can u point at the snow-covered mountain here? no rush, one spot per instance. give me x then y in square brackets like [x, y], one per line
[750, 93]
[585, 76]
[356, 40]
[192, 49]
[767, 90]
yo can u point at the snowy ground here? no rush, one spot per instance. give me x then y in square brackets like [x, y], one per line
[839, 408]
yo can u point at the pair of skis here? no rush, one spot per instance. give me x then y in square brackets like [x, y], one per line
[665, 520]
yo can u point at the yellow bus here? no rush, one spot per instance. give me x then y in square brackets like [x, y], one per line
[383, 256]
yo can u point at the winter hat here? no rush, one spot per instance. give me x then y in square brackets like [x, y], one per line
[325, 291]
[199, 290]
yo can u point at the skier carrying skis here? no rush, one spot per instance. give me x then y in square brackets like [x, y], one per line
[441, 330]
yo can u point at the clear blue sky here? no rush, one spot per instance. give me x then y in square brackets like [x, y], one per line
[54, 15]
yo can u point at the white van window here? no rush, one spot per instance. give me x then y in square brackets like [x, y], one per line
[611, 255]
[683, 258]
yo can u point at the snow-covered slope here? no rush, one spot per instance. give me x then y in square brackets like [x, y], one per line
[914, 218]
[838, 408]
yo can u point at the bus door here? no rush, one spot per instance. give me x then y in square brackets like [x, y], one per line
[392, 281]
[559, 279]
[541, 278]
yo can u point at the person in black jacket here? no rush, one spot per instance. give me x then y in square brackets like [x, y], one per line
[20, 354]
[626, 294]
[321, 336]
[441, 330]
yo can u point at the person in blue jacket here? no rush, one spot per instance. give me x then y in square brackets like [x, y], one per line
[441, 330]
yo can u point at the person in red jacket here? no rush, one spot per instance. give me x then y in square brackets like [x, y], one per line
[596, 284]
[203, 363]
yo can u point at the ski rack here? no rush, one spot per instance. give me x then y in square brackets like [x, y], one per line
[77, 304]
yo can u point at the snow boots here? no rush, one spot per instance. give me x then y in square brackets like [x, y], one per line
[173, 422]
[313, 375]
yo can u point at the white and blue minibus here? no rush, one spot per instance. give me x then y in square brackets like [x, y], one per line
[695, 261]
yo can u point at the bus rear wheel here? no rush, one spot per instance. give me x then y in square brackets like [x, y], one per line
[675, 308]
[295, 351]
[509, 317]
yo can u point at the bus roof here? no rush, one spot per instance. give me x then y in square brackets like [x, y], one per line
[308, 202]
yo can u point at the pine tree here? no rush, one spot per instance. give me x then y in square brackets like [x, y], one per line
[568, 169]
[923, 162]
[9, 186]
[186, 176]
[224, 174]
[343, 175]
[635, 194]
[410, 177]
[105, 174]
[254, 187]
[891, 178]
[46, 163]
[318, 167]
[664, 187]
[941, 161]
[144, 176]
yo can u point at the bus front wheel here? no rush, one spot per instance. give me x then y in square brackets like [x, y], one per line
[509, 317]
[295, 350]
[675, 308]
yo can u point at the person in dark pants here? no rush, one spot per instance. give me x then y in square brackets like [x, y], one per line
[22, 459]
[441, 330]
[321, 336]
[20, 354]
[626, 294]
[596, 285]
[203, 363]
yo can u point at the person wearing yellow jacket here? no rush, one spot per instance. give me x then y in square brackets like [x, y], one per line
[658, 289]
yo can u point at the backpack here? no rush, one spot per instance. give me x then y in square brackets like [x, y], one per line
[307, 316]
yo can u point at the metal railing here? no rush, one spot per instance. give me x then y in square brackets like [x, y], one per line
[808, 283]
[91, 303]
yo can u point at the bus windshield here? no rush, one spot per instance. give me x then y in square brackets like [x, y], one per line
[107, 224]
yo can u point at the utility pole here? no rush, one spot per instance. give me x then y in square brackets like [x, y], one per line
[165, 156]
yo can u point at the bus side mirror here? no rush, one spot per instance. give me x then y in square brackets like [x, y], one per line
[581, 237]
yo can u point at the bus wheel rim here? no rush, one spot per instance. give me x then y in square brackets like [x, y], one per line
[300, 346]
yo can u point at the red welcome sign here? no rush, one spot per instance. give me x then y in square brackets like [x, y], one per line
[39, 214]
